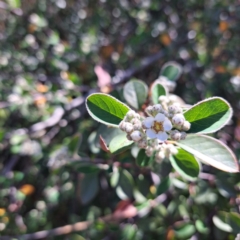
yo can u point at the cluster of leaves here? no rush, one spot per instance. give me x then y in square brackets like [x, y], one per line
[53, 171]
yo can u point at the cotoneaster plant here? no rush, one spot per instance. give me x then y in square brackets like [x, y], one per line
[167, 128]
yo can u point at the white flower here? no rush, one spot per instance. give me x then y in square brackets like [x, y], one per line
[157, 126]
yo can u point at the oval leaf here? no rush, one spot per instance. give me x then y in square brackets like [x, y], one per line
[135, 92]
[106, 109]
[209, 115]
[157, 90]
[171, 70]
[89, 187]
[119, 144]
[210, 151]
[185, 164]
[125, 186]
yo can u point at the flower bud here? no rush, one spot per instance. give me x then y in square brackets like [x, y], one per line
[122, 125]
[142, 143]
[163, 99]
[136, 135]
[149, 151]
[129, 137]
[128, 127]
[157, 108]
[175, 135]
[160, 155]
[149, 110]
[183, 135]
[186, 126]
[174, 108]
[137, 126]
[178, 119]
[130, 114]
[136, 115]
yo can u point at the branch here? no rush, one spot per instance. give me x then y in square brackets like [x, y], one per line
[129, 212]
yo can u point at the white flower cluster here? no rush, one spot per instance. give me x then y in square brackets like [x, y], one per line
[165, 120]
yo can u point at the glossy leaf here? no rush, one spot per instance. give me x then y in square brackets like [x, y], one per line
[210, 151]
[157, 90]
[209, 115]
[119, 144]
[185, 164]
[135, 92]
[89, 187]
[106, 109]
[164, 185]
[171, 70]
[125, 186]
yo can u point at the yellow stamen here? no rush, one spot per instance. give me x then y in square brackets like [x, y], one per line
[157, 126]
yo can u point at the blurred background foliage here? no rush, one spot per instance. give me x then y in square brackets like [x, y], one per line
[53, 53]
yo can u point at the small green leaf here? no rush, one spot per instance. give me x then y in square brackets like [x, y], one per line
[171, 70]
[89, 187]
[208, 116]
[84, 167]
[135, 92]
[184, 231]
[125, 186]
[106, 109]
[142, 159]
[164, 185]
[210, 151]
[221, 223]
[119, 144]
[200, 226]
[185, 164]
[157, 90]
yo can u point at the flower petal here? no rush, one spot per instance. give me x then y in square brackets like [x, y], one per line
[148, 122]
[162, 136]
[160, 117]
[167, 125]
[151, 133]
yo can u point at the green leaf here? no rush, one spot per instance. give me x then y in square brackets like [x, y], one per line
[210, 151]
[84, 167]
[200, 226]
[157, 90]
[119, 144]
[89, 187]
[142, 159]
[208, 116]
[125, 186]
[171, 70]
[185, 164]
[135, 92]
[106, 109]
[164, 185]
[184, 231]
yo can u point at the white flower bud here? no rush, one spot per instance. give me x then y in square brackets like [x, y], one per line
[128, 127]
[137, 126]
[157, 108]
[142, 143]
[149, 110]
[174, 108]
[129, 137]
[135, 121]
[183, 135]
[136, 115]
[130, 114]
[136, 135]
[173, 150]
[175, 135]
[149, 151]
[178, 119]
[163, 99]
[122, 125]
[186, 126]
[160, 155]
